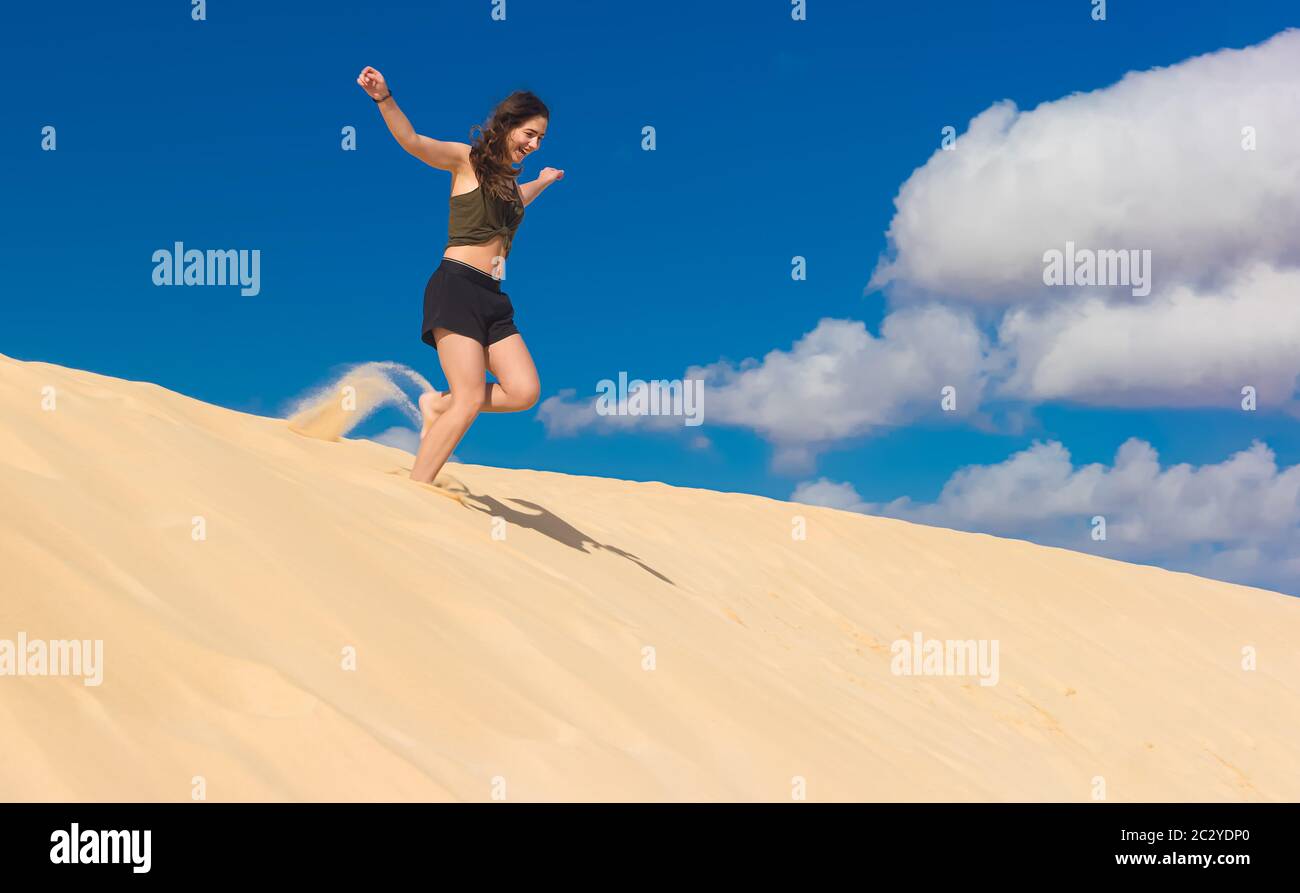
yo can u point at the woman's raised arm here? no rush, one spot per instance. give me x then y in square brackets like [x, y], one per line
[447, 156]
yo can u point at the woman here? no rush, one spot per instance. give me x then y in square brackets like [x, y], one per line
[468, 319]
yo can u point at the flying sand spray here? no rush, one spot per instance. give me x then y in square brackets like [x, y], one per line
[335, 409]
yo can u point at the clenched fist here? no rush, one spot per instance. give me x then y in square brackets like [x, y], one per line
[373, 83]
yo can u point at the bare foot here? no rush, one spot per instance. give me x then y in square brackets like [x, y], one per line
[428, 400]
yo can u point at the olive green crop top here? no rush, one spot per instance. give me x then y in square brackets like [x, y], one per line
[476, 217]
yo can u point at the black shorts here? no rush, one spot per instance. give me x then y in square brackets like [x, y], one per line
[468, 302]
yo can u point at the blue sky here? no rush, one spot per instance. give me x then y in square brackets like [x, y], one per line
[775, 138]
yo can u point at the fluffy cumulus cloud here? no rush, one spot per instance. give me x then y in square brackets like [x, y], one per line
[1155, 161]
[1180, 349]
[836, 382]
[1238, 519]
[1194, 163]
[839, 381]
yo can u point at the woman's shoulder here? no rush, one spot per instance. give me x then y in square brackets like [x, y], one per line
[463, 179]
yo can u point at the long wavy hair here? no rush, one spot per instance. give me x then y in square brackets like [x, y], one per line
[489, 149]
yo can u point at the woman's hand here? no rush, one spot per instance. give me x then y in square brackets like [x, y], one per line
[545, 177]
[373, 83]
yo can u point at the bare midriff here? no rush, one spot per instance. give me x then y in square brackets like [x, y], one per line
[486, 257]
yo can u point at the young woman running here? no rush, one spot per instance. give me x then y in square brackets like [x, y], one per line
[468, 319]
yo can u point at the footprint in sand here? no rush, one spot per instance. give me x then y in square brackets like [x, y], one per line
[445, 485]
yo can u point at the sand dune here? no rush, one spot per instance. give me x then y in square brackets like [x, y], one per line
[622, 641]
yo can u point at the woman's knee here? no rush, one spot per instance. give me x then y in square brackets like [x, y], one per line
[527, 394]
[466, 402]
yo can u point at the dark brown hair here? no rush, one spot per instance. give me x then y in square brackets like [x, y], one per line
[488, 152]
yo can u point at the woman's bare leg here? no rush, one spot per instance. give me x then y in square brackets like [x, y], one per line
[432, 405]
[517, 387]
[464, 363]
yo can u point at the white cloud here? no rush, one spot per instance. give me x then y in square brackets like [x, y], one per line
[1154, 161]
[832, 494]
[837, 381]
[402, 438]
[1238, 519]
[1182, 349]
[565, 414]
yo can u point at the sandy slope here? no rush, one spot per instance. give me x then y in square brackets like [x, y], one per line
[518, 666]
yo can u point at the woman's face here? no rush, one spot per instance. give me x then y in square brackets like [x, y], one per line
[526, 138]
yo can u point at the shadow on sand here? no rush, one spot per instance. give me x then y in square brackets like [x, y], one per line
[549, 524]
[538, 518]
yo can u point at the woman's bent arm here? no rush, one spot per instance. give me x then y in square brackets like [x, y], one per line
[446, 156]
[530, 191]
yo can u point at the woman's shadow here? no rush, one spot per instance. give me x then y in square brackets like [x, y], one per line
[549, 524]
